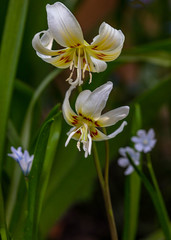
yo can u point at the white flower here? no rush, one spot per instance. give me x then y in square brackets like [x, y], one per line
[145, 141]
[124, 161]
[76, 52]
[87, 118]
[23, 159]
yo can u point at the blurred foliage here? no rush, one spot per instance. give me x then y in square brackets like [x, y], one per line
[141, 75]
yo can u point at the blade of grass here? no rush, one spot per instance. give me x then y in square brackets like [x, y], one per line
[28, 118]
[34, 178]
[9, 55]
[54, 135]
[132, 190]
[39, 176]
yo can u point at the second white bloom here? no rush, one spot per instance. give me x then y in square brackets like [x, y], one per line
[88, 118]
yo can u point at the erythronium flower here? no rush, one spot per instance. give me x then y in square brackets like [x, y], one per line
[88, 118]
[124, 161]
[76, 52]
[23, 159]
[144, 142]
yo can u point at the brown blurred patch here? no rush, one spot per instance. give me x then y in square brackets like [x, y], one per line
[92, 13]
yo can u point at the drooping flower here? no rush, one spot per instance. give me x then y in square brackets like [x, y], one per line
[23, 159]
[144, 142]
[76, 52]
[88, 118]
[124, 161]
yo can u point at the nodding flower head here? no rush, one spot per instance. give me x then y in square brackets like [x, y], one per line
[88, 118]
[23, 159]
[76, 52]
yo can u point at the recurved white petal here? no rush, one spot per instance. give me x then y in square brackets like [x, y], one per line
[67, 111]
[112, 117]
[99, 136]
[108, 44]
[99, 65]
[63, 25]
[108, 39]
[97, 101]
[43, 44]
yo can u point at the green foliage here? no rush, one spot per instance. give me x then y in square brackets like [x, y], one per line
[61, 177]
[39, 176]
[132, 189]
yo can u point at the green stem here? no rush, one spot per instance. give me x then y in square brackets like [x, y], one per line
[28, 119]
[98, 167]
[3, 229]
[105, 190]
[13, 193]
[106, 175]
[163, 211]
[158, 204]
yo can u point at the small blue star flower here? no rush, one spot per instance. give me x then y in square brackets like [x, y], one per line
[124, 161]
[144, 142]
[23, 159]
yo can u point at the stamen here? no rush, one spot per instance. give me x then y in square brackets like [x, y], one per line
[71, 65]
[90, 144]
[70, 136]
[84, 69]
[90, 80]
[70, 76]
[72, 70]
[87, 63]
[79, 68]
[78, 145]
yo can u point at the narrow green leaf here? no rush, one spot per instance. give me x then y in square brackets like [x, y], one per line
[9, 54]
[159, 58]
[34, 179]
[10, 48]
[39, 175]
[132, 189]
[28, 118]
[3, 230]
[54, 135]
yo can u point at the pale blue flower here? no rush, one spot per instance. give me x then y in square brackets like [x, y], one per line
[144, 142]
[23, 159]
[124, 161]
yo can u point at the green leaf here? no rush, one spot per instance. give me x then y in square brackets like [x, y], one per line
[34, 179]
[9, 54]
[39, 175]
[132, 189]
[54, 136]
[10, 49]
[26, 130]
[159, 58]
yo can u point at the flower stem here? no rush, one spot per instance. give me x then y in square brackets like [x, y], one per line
[104, 183]
[161, 204]
[13, 193]
[3, 228]
[156, 198]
